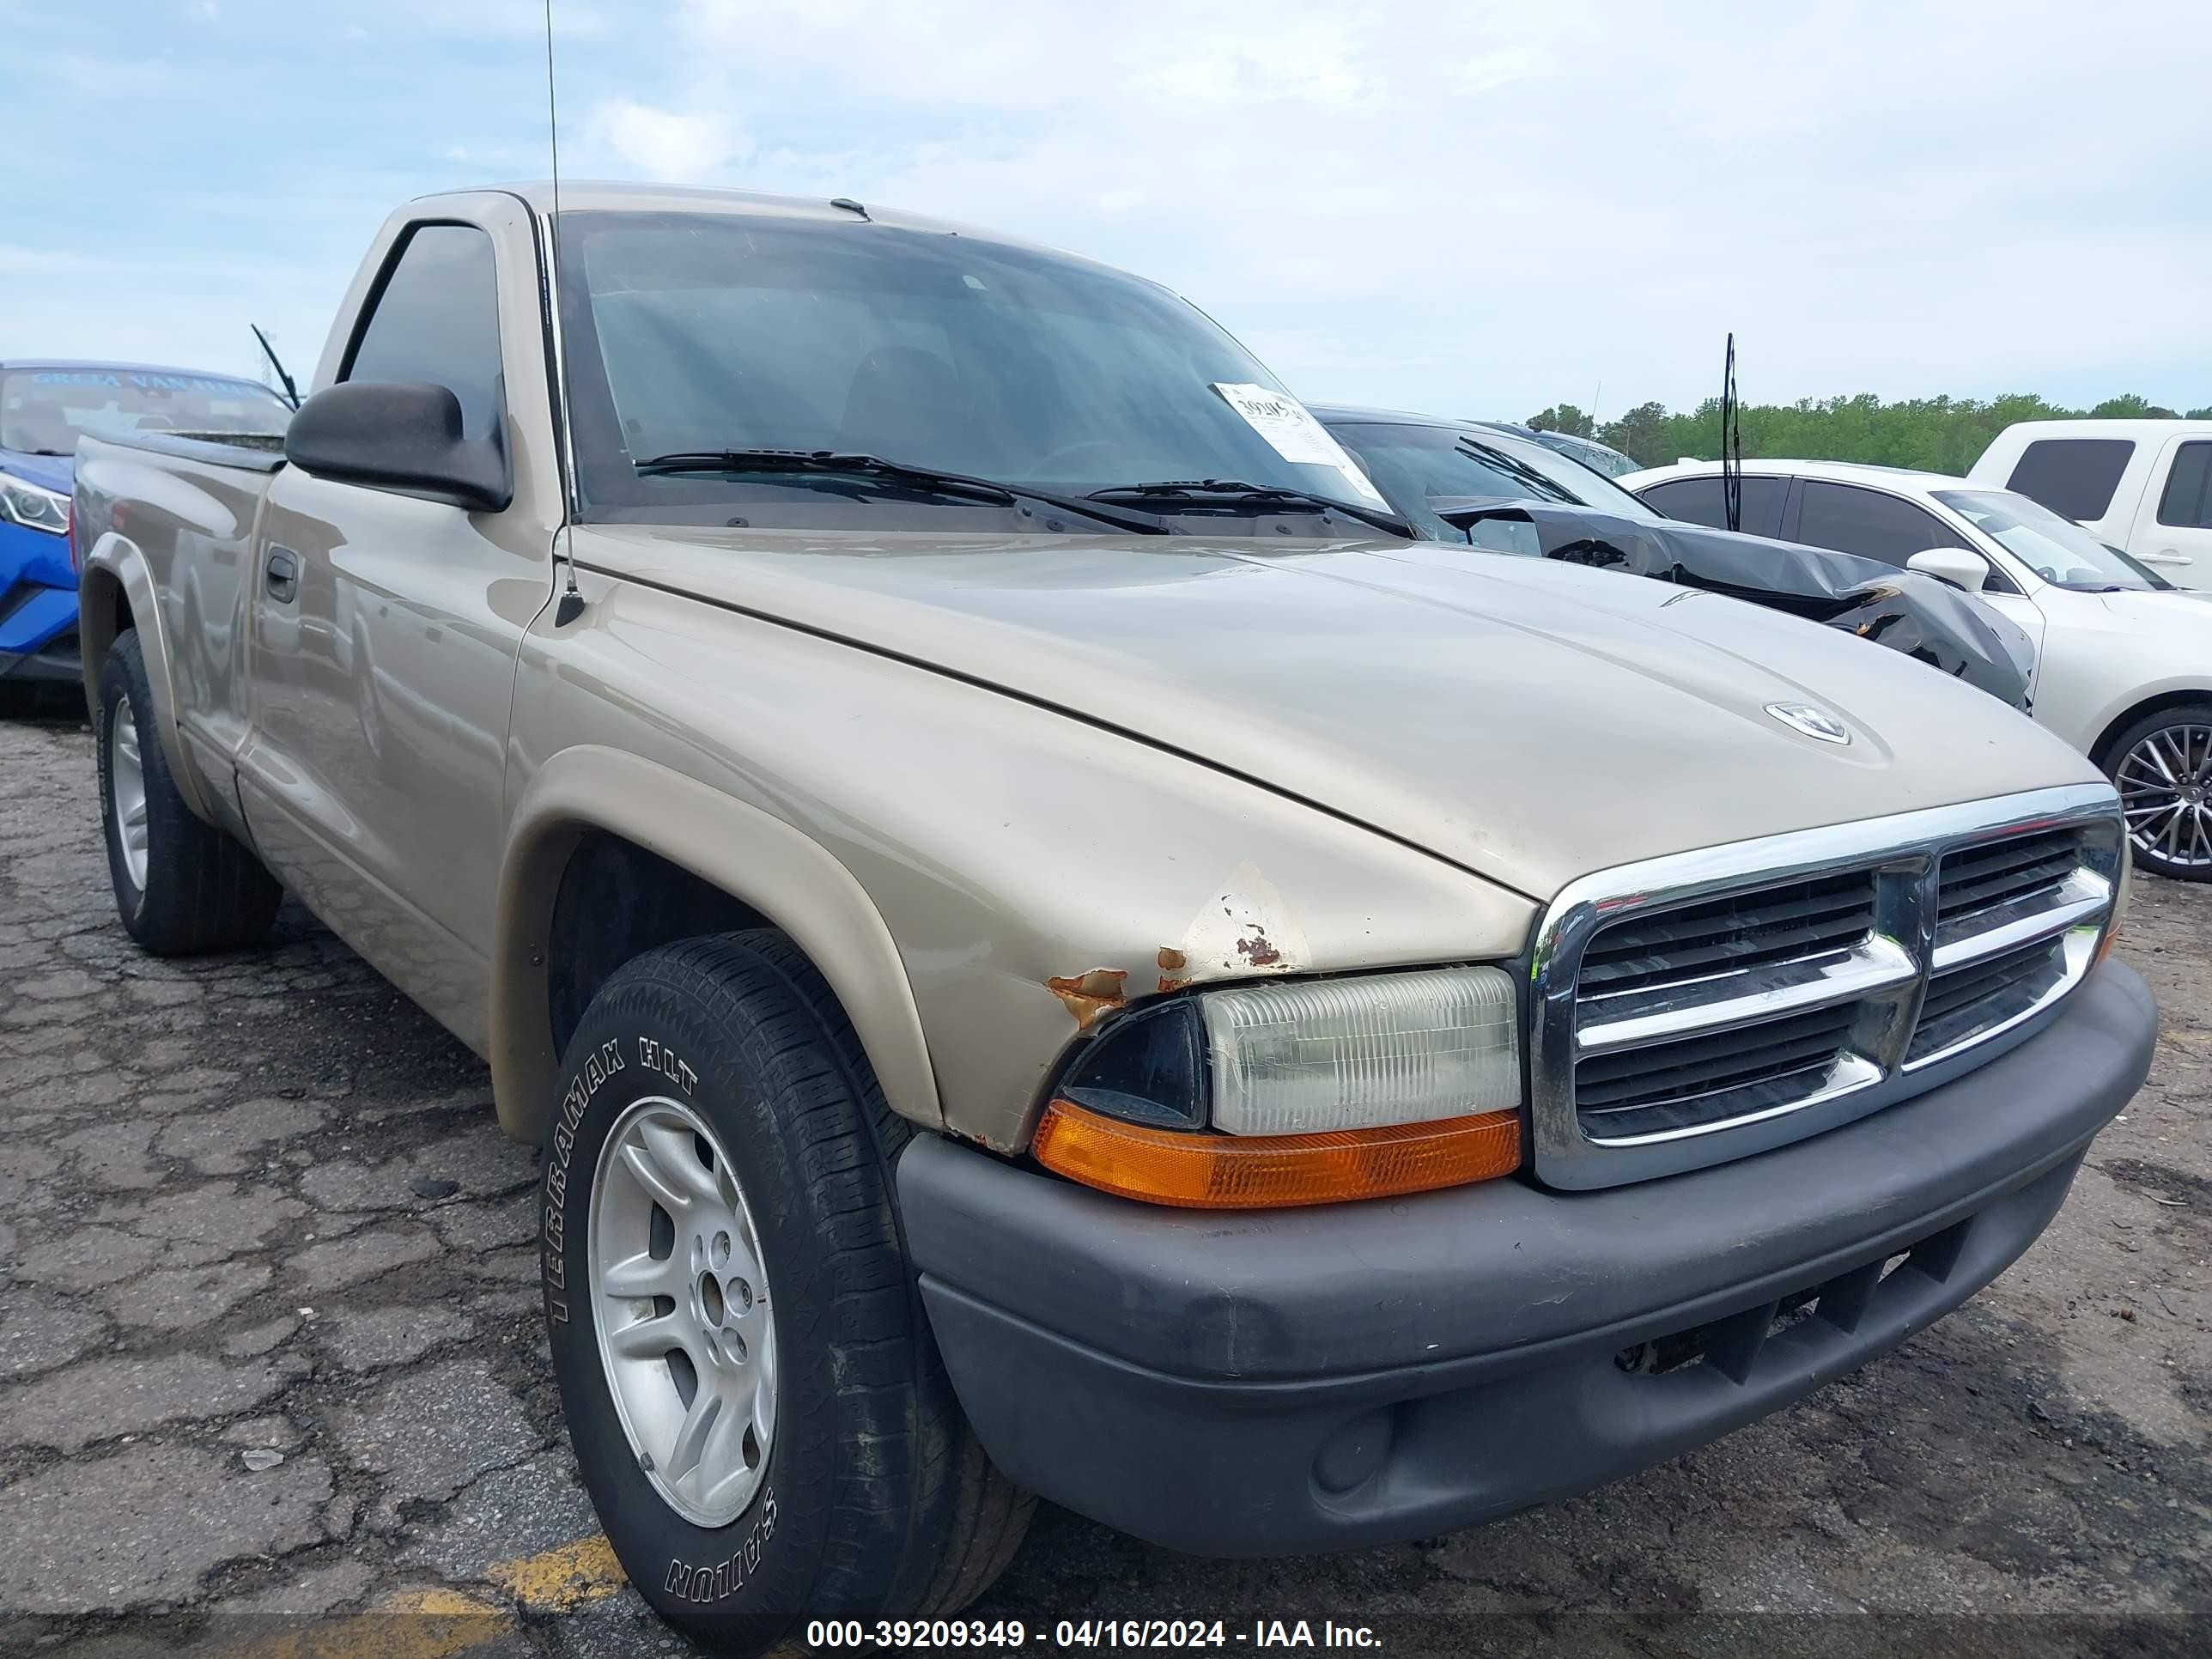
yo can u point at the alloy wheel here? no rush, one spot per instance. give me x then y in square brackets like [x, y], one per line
[2166, 791]
[680, 1299]
[127, 779]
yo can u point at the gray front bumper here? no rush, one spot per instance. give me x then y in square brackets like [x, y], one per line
[1277, 1382]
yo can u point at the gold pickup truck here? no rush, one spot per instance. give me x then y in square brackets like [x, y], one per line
[1049, 948]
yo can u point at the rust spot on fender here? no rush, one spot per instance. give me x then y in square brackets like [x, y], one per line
[1169, 960]
[1256, 950]
[1090, 996]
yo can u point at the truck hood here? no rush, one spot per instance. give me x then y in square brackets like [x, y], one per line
[1527, 720]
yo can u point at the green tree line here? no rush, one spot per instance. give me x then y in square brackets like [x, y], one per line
[1938, 435]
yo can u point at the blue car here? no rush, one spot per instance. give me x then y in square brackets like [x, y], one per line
[43, 408]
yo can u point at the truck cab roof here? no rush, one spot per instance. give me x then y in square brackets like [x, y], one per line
[616, 195]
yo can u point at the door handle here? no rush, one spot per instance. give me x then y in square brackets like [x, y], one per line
[2166, 558]
[282, 571]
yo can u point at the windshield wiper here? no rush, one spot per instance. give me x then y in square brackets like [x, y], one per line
[958, 485]
[1223, 490]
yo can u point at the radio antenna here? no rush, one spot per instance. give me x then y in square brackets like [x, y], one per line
[571, 605]
[1731, 442]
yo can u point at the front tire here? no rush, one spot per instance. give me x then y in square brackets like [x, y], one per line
[721, 1243]
[2162, 766]
[182, 886]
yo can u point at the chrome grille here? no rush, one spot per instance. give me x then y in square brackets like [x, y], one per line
[1726, 935]
[1975, 880]
[1971, 1001]
[1668, 1086]
[1700, 1007]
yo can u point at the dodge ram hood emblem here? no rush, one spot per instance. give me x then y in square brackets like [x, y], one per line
[1810, 722]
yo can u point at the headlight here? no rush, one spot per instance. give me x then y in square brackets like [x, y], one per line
[1358, 1054]
[33, 506]
[1297, 1092]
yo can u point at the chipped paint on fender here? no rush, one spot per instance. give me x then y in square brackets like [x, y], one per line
[1243, 928]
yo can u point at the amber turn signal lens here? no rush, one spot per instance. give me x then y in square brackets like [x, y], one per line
[2122, 893]
[1199, 1172]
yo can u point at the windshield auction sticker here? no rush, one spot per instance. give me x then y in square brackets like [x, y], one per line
[1294, 434]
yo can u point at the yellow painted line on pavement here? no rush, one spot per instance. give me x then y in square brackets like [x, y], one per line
[434, 1624]
[555, 1580]
[438, 1624]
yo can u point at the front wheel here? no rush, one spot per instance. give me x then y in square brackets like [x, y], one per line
[758, 1408]
[2162, 765]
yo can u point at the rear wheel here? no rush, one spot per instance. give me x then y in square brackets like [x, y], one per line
[756, 1405]
[182, 886]
[2162, 765]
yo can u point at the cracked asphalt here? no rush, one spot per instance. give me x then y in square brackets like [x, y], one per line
[271, 1375]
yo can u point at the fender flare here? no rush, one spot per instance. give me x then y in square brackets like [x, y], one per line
[115, 565]
[755, 857]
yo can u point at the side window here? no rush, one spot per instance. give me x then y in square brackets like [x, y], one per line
[436, 321]
[1697, 501]
[2187, 501]
[1866, 522]
[2074, 477]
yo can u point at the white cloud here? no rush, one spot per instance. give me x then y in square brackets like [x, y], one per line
[1455, 204]
[664, 145]
[1484, 209]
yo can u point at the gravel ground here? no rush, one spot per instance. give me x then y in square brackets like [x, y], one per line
[270, 1351]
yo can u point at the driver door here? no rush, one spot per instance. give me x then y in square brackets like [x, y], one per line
[384, 633]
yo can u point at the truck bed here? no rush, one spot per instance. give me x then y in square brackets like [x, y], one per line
[263, 452]
[179, 510]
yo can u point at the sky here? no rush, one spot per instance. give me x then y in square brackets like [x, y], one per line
[1465, 208]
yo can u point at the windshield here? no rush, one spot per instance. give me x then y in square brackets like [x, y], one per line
[2057, 550]
[43, 409]
[1611, 463]
[1415, 466]
[725, 331]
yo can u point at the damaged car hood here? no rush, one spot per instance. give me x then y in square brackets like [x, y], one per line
[1929, 621]
[1528, 721]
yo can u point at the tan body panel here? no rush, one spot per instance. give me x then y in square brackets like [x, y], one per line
[176, 558]
[1528, 720]
[745, 852]
[371, 769]
[1003, 846]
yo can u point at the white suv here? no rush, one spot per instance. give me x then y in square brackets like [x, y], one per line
[2145, 486]
[2124, 659]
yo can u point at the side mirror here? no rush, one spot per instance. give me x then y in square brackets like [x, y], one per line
[1960, 567]
[405, 438]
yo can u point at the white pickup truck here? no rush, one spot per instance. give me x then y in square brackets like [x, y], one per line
[2144, 487]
